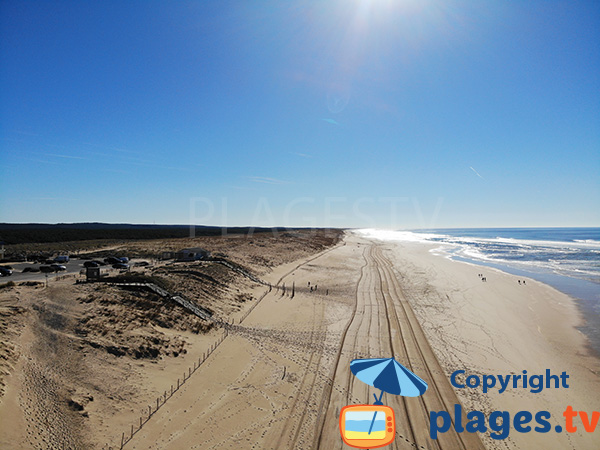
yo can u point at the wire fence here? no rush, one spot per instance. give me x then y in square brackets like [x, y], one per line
[161, 400]
[126, 436]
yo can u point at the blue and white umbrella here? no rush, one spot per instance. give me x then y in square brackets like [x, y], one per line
[388, 375]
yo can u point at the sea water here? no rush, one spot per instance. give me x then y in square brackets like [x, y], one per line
[565, 258]
[364, 425]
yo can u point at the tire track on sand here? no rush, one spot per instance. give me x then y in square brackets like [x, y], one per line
[411, 345]
[324, 415]
[406, 341]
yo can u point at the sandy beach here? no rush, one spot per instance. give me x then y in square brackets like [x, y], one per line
[502, 327]
[280, 372]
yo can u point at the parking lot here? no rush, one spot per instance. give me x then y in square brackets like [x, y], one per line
[74, 266]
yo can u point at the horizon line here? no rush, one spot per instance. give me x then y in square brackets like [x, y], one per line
[301, 226]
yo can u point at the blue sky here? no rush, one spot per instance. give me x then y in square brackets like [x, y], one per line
[357, 113]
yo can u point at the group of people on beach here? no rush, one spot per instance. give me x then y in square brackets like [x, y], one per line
[314, 288]
[484, 279]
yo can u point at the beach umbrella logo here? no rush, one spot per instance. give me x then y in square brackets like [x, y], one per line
[372, 426]
[388, 375]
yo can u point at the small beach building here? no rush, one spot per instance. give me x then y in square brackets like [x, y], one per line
[92, 273]
[192, 254]
[167, 255]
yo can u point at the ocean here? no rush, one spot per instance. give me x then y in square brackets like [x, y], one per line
[565, 258]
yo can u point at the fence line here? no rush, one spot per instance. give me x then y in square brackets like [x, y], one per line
[67, 275]
[161, 400]
[201, 312]
[167, 394]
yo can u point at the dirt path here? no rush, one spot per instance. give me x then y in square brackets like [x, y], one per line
[281, 377]
[53, 421]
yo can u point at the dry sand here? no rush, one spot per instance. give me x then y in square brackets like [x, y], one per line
[280, 377]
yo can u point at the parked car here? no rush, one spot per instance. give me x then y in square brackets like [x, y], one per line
[4, 272]
[91, 264]
[30, 269]
[112, 260]
[61, 259]
[120, 266]
[141, 264]
[46, 269]
[124, 259]
[58, 267]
